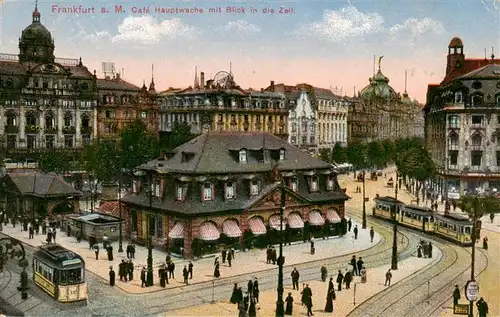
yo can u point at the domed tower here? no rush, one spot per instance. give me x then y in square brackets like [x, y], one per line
[36, 43]
[456, 55]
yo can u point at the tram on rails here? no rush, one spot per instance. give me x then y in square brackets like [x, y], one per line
[60, 273]
[453, 227]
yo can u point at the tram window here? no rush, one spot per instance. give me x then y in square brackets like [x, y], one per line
[71, 277]
[45, 271]
[467, 230]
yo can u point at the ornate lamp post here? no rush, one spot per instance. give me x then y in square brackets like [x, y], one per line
[20, 255]
[120, 237]
[395, 210]
[364, 202]
[280, 312]
[473, 253]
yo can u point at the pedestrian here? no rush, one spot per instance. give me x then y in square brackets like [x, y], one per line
[185, 273]
[31, 232]
[171, 269]
[482, 307]
[372, 234]
[360, 264]
[492, 216]
[133, 251]
[54, 232]
[232, 253]
[485, 243]
[143, 277]
[456, 296]
[162, 274]
[355, 232]
[234, 295]
[354, 265]
[330, 284]
[340, 279]
[289, 304]
[363, 275]
[324, 273]
[217, 270]
[274, 255]
[295, 278]
[252, 312]
[96, 250]
[131, 271]
[109, 249]
[330, 296]
[229, 258]
[121, 270]
[49, 236]
[256, 290]
[349, 225]
[250, 287]
[223, 253]
[190, 270]
[419, 251]
[429, 250]
[388, 276]
[269, 255]
[312, 246]
[129, 247]
[348, 279]
[111, 276]
[308, 300]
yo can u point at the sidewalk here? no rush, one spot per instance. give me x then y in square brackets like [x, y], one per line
[244, 262]
[343, 305]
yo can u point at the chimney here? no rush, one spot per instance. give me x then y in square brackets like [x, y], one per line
[202, 79]
[272, 85]
[117, 75]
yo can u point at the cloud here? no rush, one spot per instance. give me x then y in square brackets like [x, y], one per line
[241, 26]
[340, 25]
[97, 36]
[416, 27]
[146, 30]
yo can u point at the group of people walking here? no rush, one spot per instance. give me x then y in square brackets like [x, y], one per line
[248, 302]
[424, 249]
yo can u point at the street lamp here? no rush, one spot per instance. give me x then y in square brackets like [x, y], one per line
[120, 237]
[395, 207]
[22, 262]
[473, 253]
[280, 312]
[364, 202]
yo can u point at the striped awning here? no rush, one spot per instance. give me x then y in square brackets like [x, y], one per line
[316, 219]
[231, 229]
[333, 216]
[209, 232]
[177, 231]
[274, 222]
[257, 226]
[295, 221]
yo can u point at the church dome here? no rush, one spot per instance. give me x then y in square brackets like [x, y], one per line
[36, 32]
[455, 42]
[36, 43]
[378, 88]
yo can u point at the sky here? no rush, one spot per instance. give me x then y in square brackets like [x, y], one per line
[328, 44]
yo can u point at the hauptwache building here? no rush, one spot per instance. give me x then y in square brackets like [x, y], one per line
[462, 124]
[226, 185]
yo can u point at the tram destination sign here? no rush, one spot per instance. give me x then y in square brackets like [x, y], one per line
[471, 291]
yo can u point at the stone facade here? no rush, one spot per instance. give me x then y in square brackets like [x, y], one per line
[45, 102]
[462, 125]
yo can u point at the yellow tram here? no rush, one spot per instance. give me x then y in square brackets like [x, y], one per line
[456, 228]
[384, 207]
[60, 273]
[418, 217]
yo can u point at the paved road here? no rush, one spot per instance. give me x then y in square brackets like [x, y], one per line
[104, 301]
[425, 292]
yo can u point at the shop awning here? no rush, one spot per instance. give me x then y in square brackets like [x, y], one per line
[209, 232]
[295, 221]
[316, 219]
[257, 226]
[333, 216]
[177, 231]
[231, 229]
[274, 222]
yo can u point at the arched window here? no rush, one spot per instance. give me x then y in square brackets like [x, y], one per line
[476, 140]
[453, 141]
[31, 119]
[68, 119]
[314, 183]
[477, 100]
[49, 120]
[11, 118]
[85, 121]
[243, 155]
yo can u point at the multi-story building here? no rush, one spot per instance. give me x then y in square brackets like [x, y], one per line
[221, 105]
[462, 124]
[317, 117]
[45, 102]
[222, 186]
[380, 113]
[121, 103]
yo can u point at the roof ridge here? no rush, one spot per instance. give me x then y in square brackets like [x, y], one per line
[202, 150]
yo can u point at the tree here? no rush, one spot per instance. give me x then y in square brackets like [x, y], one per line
[324, 155]
[486, 204]
[181, 133]
[101, 159]
[136, 145]
[375, 155]
[55, 161]
[356, 155]
[388, 151]
[338, 154]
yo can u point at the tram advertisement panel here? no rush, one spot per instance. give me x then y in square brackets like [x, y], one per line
[46, 285]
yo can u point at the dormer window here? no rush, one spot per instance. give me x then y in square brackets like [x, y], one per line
[254, 188]
[179, 193]
[134, 187]
[243, 155]
[208, 192]
[458, 97]
[314, 183]
[157, 188]
[282, 154]
[330, 183]
[293, 184]
[229, 190]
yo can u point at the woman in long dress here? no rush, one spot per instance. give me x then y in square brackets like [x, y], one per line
[289, 304]
[363, 275]
[329, 301]
[216, 270]
[234, 295]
